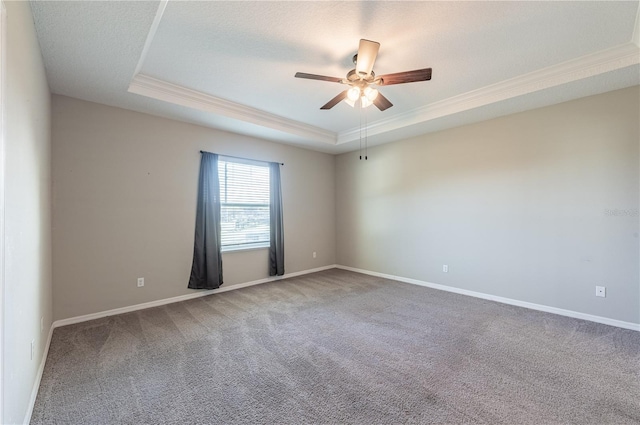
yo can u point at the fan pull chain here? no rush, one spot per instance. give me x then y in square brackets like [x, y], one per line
[360, 133]
[366, 138]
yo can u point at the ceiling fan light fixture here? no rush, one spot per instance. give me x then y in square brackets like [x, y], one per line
[353, 94]
[350, 102]
[365, 101]
[370, 93]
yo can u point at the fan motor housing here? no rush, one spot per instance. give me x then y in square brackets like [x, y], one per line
[353, 76]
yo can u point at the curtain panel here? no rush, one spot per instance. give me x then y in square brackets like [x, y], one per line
[276, 248]
[206, 270]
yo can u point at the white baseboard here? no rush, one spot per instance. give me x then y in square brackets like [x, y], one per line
[36, 384]
[200, 293]
[525, 304]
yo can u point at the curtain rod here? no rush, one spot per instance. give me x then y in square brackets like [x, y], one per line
[240, 157]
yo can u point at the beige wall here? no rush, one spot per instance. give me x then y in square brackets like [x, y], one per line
[125, 187]
[28, 211]
[539, 206]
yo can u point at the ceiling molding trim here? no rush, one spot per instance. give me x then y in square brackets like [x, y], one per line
[576, 69]
[178, 95]
[152, 33]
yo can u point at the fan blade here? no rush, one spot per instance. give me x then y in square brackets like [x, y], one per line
[367, 53]
[318, 77]
[333, 102]
[382, 102]
[405, 77]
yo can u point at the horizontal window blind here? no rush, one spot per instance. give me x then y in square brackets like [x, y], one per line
[244, 204]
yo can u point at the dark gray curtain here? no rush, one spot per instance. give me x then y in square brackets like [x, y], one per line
[276, 250]
[206, 270]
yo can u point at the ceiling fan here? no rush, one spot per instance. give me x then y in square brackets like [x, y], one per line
[362, 78]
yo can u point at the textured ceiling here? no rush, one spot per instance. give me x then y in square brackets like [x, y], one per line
[243, 55]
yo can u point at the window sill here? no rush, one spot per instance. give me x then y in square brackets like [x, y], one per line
[244, 248]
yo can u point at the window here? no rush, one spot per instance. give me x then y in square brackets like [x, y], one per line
[244, 204]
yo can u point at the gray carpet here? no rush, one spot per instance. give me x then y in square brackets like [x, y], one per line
[340, 347]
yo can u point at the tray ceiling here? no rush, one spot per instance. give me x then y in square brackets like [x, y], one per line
[230, 65]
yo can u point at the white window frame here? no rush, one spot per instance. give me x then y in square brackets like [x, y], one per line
[255, 245]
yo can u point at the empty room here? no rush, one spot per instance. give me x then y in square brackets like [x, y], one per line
[287, 212]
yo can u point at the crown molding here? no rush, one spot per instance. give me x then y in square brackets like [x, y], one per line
[566, 72]
[150, 35]
[178, 95]
[162, 90]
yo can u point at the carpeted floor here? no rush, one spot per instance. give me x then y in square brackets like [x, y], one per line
[340, 347]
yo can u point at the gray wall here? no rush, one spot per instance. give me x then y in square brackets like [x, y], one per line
[125, 187]
[539, 206]
[27, 241]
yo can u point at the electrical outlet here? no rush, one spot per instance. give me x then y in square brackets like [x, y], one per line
[601, 291]
[41, 324]
[314, 254]
[140, 282]
[445, 268]
[33, 348]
